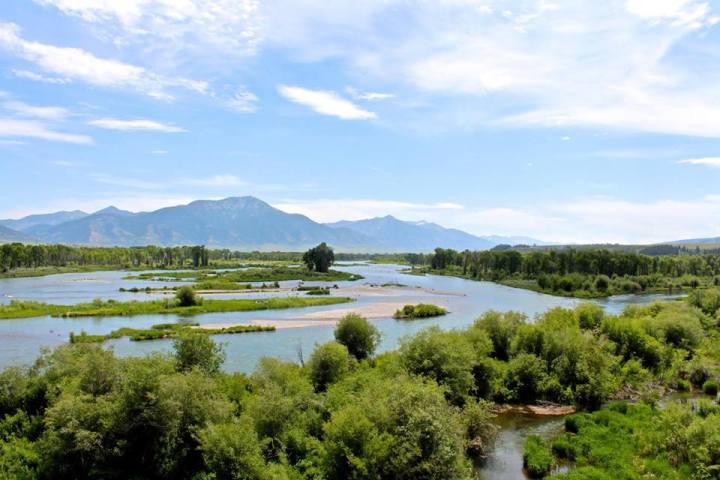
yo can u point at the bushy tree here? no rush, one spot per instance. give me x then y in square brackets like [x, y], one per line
[359, 336]
[446, 357]
[319, 258]
[198, 350]
[186, 297]
[328, 363]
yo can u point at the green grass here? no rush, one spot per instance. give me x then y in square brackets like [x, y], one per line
[421, 310]
[100, 308]
[163, 330]
[537, 458]
[269, 274]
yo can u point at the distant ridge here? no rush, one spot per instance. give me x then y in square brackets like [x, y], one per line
[43, 219]
[244, 223]
[8, 235]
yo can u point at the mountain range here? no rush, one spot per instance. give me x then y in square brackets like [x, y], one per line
[240, 223]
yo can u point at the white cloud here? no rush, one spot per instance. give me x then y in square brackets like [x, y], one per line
[325, 102]
[139, 124]
[183, 26]
[708, 161]
[639, 65]
[46, 113]
[84, 66]
[159, 152]
[32, 129]
[214, 181]
[368, 96]
[243, 101]
[27, 74]
[583, 220]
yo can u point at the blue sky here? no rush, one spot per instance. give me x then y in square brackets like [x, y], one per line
[565, 120]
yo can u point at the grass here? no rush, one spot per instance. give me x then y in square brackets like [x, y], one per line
[270, 274]
[537, 458]
[100, 308]
[421, 310]
[163, 330]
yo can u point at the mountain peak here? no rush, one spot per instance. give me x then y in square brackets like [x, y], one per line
[112, 210]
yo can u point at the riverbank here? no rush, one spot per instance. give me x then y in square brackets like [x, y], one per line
[99, 308]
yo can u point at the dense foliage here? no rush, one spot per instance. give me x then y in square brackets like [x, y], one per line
[81, 412]
[421, 310]
[420, 412]
[319, 259]
[18, 255]
[587, 273]
[681, 441]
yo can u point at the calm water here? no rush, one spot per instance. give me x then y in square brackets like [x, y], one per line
[22, 339]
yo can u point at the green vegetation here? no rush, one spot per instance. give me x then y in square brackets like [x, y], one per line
[319, 259]
[208, 279]
[17, 259]
[537, 458]
[100, 308]
[628, 441]
[421, 412]
[164, 330]
[357, 334]
[81, 412]
[580, 273]
[421, 310]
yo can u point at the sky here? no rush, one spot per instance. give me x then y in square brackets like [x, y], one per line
[565, 120]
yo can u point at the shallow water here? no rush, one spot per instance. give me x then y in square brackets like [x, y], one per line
[505, 459]
[22, 339]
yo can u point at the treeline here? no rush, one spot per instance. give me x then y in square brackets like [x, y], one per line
[18, 255]
[498, 264]
[421, 412]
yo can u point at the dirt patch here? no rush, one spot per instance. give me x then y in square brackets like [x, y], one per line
[545, 409]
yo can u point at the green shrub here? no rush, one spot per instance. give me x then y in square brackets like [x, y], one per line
[537, 458]
[186, 297]
[710, 387]
[421, 310]
[683, 385]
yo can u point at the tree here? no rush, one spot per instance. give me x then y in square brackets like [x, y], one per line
[446, 357]
[197, 349]
[319, 258]
[329, 363]
[186, 297]
[232, 451]
[358, 335]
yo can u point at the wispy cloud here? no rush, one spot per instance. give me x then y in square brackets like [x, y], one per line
[81, 65]
[325, 102]
[138, 124]
[243, 101]
[31, 129]
[708, 161]
[46, 113]
[28, 75]
[368, 96]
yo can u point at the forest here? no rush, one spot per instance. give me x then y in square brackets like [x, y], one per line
[423, 411]
[581, 273]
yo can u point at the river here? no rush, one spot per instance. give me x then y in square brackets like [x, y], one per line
[383, 289]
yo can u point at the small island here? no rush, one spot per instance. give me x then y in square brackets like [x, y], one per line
[421, 310]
